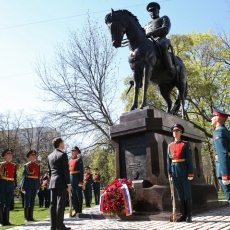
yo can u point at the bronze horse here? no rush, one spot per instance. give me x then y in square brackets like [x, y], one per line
[145, 62]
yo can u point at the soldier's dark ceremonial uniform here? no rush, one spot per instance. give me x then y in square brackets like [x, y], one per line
[76, 180]
[46, 191]
[41, 192]
[96, 185]
[30, 185]
[221, 143]
[88, 180]
[180, 167]
[8, 182]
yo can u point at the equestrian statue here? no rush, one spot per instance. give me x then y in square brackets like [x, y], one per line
[149, 56]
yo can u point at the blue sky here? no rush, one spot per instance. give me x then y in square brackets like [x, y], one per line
[20, 46]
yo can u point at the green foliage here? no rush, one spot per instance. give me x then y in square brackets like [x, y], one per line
[104, 159]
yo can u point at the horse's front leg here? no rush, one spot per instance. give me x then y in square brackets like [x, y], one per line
[147, 73]
[137, 79]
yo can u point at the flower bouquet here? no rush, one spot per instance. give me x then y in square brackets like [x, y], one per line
[118, 197]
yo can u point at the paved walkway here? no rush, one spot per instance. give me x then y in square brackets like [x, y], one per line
[212, 220]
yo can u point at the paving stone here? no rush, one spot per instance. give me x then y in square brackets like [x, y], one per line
[212, 220]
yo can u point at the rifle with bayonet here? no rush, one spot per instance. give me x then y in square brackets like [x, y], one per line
[173, 217]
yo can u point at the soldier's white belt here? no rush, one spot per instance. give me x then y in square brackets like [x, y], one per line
[179, 160]
[33, 177]
[74, 172]
[216, 156]
[7, 178]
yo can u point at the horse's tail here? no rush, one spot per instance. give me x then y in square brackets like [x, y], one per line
[177, 103]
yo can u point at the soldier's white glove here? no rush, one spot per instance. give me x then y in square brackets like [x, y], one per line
[24, 192]
[226, 182]
[38, 191]
[190, 178]
[80, 185]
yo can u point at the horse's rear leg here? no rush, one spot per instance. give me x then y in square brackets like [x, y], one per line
[137, 78]
[182, 88]
[165, 90]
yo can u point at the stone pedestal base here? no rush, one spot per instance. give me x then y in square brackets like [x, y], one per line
[141, 141]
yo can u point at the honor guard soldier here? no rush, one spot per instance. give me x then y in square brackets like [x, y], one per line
[96, 185]
[30, 184]
[46, 183]
[8, 182]
[41, 192]
[76, 179]
[180, 169]
[221, 143]
[87, 186]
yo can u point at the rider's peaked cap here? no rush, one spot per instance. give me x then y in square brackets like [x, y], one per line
[31, 152]
[6, 151]
[178, 126]
[220, 113]
[153, 4]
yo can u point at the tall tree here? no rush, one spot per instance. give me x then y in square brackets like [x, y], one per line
[81, 82]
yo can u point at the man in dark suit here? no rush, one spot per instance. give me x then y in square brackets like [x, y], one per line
[59, 184]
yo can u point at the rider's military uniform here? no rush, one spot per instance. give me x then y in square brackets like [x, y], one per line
[30, 185]
[157, 30]
[8, 182]
[160, 27]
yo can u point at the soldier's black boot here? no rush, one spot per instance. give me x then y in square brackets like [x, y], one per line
[80, 207]
[75, 206]
[1, 217]
[31, 214]
[26, 214]
[46, 204]
[189, 211]
[183, 212]
[6, 216]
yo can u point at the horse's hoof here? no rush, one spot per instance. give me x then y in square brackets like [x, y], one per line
[132, 108]
[142, 106]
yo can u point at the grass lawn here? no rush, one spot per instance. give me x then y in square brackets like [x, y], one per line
[17, 215]
[221, 196]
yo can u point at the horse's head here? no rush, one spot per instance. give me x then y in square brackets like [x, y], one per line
[116, 27]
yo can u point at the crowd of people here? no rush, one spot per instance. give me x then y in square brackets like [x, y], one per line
[33, 183]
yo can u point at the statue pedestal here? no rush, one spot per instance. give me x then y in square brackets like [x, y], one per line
[141, 141]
